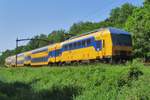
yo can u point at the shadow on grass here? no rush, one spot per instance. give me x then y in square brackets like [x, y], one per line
[21, 91]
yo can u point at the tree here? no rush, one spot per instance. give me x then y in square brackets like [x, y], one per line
[146, 2]
[139, 25]
[57, 36]
[37, 42]
[119, 15]
[81, 27]
[5, 54]
[43, 40]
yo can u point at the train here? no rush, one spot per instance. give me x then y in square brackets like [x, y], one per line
[104, 44]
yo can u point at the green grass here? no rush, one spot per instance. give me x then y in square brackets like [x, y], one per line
[85, 82]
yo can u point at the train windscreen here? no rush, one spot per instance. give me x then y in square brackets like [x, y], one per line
[121, 39]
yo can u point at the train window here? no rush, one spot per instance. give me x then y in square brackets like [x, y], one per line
[70, 46]
[75, 45]
[50, 54]
[57, 52]
[89, 41]
[99, 44]
[79, 44]
[121, 39]
[65, 47]
[83, 43]
[86, 43]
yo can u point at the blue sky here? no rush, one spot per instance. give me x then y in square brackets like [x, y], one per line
[27, 18]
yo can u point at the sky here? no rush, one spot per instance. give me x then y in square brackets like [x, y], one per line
[27, 18]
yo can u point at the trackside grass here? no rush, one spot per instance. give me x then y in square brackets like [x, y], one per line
[83, 82]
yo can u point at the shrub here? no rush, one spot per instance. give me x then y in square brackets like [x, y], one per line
[133, 74]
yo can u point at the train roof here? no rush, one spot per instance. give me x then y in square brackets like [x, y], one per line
[43, 48]
[113, 30]
[40, 49]
[20, 54]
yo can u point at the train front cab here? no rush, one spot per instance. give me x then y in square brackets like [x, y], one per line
[121, 45]
[116, 45]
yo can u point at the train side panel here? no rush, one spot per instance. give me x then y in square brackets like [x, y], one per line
[39, 57]
[27, 60]
[54, 55]
[86, 48]
[106, 44]
[20, 60]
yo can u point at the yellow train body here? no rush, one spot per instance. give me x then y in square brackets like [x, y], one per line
[89, 52]
[38, 56]
[27, 58]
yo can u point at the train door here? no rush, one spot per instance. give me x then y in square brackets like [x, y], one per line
[99, 45]
[99, 48]
[103, 48]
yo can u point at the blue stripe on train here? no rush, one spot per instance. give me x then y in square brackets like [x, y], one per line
[27, 58]
[41, 59]
[20, 62]
[96, 44]
[55, 53]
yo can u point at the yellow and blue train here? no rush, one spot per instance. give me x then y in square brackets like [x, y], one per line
[105, 44]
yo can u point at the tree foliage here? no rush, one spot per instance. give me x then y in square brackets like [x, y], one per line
[139, 25]
[118, 16]
[57, 36]
[81, 27]
[5, 54]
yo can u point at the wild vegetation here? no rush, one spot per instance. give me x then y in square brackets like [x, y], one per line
[135, 20]
[95, 82]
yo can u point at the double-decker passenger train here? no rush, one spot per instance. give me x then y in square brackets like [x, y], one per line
[105, 44]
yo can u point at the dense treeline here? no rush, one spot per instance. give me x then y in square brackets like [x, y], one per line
[135, 20]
